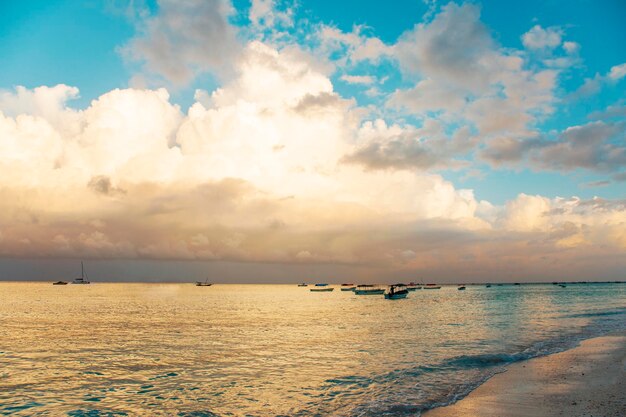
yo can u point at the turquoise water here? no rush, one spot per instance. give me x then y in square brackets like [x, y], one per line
[276, 350]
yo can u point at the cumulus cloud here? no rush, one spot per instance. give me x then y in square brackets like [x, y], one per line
[455, 47]
[184, 39]
[350, 48]
[597, 146]
[465, 77]
[587, 146]
[595, 84]
[265, 14]
[145, 180]
[276, 166]
[617, 72]
[396, 147]
[358, 79]
[540, 38]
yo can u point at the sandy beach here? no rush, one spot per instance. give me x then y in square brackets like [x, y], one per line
[589, 380]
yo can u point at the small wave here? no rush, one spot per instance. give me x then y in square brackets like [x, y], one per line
[597, 314]
[488, 359]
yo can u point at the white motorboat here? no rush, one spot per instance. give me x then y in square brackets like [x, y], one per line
[396, 292]
[367, 289]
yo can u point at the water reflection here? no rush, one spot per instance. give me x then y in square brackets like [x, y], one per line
[141, 349]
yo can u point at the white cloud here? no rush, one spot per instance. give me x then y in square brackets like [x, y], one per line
[464, 78]
[540, 38]
[358, 79]
[136, 178]
[184, 39]
[594, 85]
[354, 46]
[617, 72]
[571, 47]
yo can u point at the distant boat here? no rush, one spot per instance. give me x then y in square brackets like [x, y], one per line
[83, 277]
[366, 289]
[562, 285]
[396, 292]
[348, 287]
[488, 285]
[303, 285]
[322, 289]
[461, 287]
[413, 286]
[432, 287]
[321, 285]
[517, 283]
[206, 283]
[59, 283]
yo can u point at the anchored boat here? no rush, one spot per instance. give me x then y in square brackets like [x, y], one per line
[367, 289]
[83, 277]
[396, 292]
[322, 287]
[348, 287]
[432, 287]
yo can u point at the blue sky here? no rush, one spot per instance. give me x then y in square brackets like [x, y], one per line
[504, 117]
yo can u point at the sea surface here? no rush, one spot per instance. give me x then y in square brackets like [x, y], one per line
[276, 350]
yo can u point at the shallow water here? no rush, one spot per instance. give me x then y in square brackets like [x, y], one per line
[177, 349]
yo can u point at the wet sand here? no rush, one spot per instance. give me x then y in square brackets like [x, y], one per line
[589, 380]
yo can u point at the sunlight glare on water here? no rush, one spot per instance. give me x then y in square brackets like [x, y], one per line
[178, 349]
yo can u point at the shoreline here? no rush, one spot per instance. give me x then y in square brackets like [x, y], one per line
[587, 380]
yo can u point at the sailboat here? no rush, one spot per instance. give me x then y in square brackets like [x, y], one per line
[206, 283]
[83, 278]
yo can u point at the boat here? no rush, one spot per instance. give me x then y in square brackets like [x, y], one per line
[206, 283]
[413, 286]
[348, 287]
[396, 292]
[321, 285]
[83, 277]
[488, 286]
[461, 287]
[562, 285]
[59, 283]
[432, 287]
[367, 289]
[303, 285]
[322, 289]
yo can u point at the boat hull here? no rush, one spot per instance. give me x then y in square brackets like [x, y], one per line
[347, 289]
[396, 296]
[321, 289]
[369, 292]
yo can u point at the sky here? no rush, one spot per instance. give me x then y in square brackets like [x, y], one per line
[287, 141]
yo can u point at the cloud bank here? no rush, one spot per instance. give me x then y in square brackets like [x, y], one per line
[275, 166]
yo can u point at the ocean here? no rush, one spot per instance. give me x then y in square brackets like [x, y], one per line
[276, 350]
